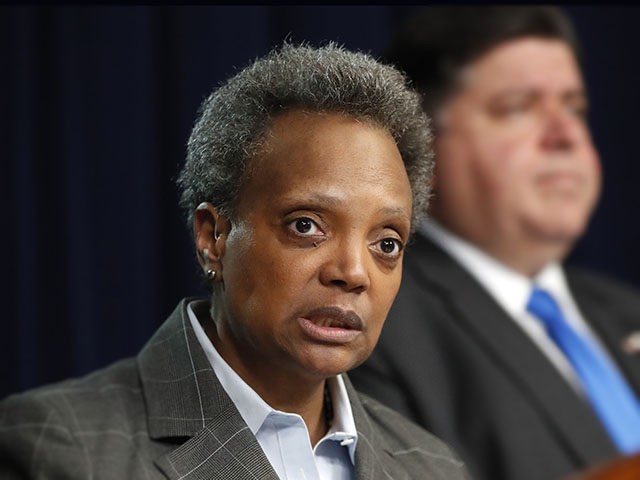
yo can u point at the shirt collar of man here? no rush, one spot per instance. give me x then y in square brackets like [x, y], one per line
[254, 410]
[510, 288]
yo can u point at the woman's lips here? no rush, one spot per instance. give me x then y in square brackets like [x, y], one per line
[331, 324]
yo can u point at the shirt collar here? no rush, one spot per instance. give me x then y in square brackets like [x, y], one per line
[254, 410]
[343, 427]
[552, 278]
[510, 288]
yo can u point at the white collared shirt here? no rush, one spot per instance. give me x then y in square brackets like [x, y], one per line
[283, 436]
[511, 291]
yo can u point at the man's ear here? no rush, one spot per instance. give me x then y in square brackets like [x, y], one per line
[435, 145]
[210, 231]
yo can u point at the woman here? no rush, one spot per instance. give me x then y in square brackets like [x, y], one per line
[303, 178]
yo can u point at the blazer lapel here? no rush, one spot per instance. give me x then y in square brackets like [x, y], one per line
[374, 460]
[186, 403]
[477, 312]
[224, 448]
[614, 323]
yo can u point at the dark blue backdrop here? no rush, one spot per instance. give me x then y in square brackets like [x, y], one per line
[96, 104]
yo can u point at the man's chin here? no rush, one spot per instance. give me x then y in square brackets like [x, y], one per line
[563, 235]
[558, 230]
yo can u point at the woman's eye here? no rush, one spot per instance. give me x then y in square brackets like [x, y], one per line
[305, 226]
[390, 246]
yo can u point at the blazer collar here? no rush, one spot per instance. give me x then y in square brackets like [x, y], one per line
[476, 311]
[365, 459]
[185, 399]
[614, 318]
[375, 459]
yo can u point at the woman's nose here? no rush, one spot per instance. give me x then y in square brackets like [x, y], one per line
[346, 267]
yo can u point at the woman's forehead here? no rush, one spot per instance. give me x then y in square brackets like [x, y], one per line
[326, 154]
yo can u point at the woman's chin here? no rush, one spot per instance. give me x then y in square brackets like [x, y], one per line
[325, 362]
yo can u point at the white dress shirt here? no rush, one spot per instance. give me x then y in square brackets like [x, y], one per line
[283, 436]
[511, 290]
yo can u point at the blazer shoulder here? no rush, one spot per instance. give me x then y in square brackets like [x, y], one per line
[602, 288]
[35, 438]
[411, 444]
[81, 398]
[45, 429]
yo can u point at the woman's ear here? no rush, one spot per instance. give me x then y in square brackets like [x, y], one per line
[210, 231]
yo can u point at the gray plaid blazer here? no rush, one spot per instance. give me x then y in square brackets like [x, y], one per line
[164, 414]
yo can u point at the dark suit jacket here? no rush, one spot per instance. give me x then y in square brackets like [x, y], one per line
[164, 414]
[452, 360]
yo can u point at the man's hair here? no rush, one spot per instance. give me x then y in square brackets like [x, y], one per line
[433, 46]
[234, 118]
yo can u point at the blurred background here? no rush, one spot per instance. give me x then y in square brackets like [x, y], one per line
[96, 105]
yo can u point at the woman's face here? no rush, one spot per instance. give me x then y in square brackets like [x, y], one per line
[313, 260]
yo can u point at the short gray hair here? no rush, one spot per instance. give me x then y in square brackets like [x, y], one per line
[233, 119]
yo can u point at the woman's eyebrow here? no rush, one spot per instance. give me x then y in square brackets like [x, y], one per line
[336, 200]
[315, 198]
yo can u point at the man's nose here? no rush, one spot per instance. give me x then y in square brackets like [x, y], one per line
[562, 128]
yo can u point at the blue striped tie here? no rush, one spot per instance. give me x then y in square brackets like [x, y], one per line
[609, 393]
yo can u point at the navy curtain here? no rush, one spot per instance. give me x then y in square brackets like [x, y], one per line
[96, 105]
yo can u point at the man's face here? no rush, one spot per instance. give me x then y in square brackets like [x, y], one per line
[516, 170]
[314, 258]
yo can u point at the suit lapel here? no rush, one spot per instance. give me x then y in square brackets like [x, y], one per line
[613, 324]
[574, 423]
[224, 448]
[185, 400]
[374, 460]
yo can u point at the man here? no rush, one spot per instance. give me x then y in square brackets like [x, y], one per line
[471, 349]
[309, 158]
